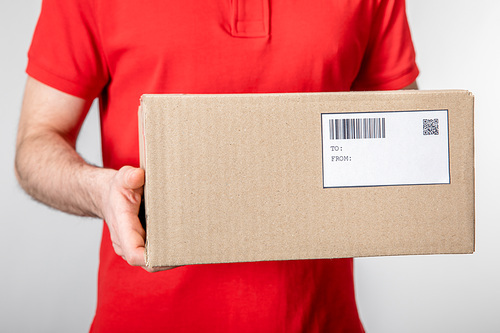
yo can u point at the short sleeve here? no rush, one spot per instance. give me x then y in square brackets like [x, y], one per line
[389, 60]
[66, 52]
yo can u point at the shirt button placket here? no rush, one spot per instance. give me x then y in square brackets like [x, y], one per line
[250, 18]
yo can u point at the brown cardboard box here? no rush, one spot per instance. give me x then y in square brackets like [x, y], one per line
[251, 177]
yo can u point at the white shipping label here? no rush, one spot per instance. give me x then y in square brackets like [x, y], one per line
[385, 148]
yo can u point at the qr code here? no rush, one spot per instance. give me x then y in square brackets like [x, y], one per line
[431, 126]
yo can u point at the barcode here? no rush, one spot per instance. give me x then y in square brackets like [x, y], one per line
[358, 128]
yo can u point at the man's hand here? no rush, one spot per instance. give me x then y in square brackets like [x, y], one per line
[121, 206]
[120, 210]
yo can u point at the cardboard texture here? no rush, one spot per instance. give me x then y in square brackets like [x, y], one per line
[234, 178]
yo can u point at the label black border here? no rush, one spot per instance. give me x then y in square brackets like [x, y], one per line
[362, 112]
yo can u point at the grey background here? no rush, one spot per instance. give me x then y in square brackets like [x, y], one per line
[49, 259]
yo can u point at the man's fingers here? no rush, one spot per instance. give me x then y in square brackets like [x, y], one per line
[133, 178]
[135, 253]
[132, 239]
[135, 257]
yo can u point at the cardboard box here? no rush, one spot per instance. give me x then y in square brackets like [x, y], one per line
[254, 177]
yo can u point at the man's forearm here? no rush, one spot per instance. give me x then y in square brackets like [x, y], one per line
[50, 170]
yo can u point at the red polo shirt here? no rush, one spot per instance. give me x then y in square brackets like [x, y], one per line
[118, 49]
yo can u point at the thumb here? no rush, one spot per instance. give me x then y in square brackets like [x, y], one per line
[133, 178]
